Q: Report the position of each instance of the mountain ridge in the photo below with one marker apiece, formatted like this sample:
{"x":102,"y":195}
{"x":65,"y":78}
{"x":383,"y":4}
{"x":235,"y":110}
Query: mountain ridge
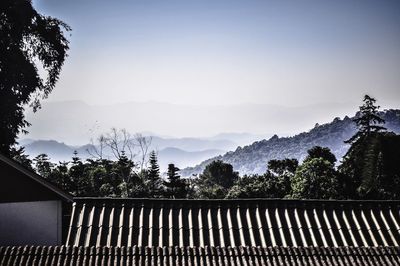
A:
{"x":253,"y":158}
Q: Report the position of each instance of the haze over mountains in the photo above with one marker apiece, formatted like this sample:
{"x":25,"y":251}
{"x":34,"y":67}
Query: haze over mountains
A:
{"x":252,"y":159}
{"x":60,"y":128}
{"x":183,"y":152}
{"x":75,"y":122}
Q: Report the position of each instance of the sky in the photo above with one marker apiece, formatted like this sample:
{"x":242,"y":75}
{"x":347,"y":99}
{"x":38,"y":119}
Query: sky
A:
{"x":229,"y":52}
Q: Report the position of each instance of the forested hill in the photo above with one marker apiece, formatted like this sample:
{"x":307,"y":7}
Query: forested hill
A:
{"x":252,"y":159}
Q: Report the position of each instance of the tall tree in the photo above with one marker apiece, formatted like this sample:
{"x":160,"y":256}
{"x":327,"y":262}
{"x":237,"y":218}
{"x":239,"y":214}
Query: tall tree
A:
{"x":175,"y":186}
{"x":29,"y":41}
{"x":79,"y":178}
{"x":362,"y":166}
{"x":367,"y":120}
{"x":153,"y":180}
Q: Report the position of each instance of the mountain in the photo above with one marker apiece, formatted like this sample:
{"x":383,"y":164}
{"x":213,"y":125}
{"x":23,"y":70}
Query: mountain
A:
{"x":57,"y":151}
{"x":183,"y":158}
{"x":239,"y":138}
{"x":77,"y":122}
{"x":252,"y":159}
{"x":175,"y":153}
{"x":192,"y":144}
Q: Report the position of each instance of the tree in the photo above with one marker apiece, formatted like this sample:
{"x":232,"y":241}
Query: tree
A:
{"x":175,"y":186}
{"x":280,"y":173}
{"x":60,"y":176}
{"x":79,"y":178}
{"x":216,"y":180}
{"x":144,"y":144}
{"x":120,"y":143}
{"x":43,"y":166}
{"x":153,"y":180}
{"x":29,"y":41}
{"x":281,"y":167}
{"x":365,"y":168}
{"x":18,"y":154}
{"x":368,"y":120}
{"x":371,"y":168}
{"x":315,"y":179}
{"x":256,"y":186}
{"x":321,"y":152}
{"x":275,"y":183}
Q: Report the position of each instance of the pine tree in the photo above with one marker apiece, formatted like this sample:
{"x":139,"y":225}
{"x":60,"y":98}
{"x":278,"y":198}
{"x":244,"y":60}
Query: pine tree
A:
{"x":80,"y":181}
{"x":153,"y":180}
{"x":368,"y":120}
{"x":362,"y":165}
{"x":175,"y":187}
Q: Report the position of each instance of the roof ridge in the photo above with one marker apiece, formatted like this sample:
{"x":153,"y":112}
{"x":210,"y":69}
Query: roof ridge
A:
{"x":280,"y":200}
{"x":39,"y":179}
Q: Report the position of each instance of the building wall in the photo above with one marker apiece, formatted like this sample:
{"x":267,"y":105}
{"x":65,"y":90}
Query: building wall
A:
{"x":31,"y":223}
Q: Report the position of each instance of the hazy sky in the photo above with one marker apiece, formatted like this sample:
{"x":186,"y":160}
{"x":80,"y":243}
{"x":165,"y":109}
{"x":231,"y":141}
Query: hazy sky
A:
{"x":228,"y":51}
{"x":222,"y":52}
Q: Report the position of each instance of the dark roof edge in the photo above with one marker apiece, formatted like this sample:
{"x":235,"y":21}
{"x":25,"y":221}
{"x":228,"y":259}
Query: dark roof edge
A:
{"x":300,"y":201}
{"x":66,"y":196}
{"x":108,"y":250}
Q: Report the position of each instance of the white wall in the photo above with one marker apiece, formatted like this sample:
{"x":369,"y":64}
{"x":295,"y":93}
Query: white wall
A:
{"x":30,"y":223}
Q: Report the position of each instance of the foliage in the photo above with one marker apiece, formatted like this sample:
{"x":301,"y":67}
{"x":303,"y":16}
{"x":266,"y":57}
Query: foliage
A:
{"x":321,"y":152}
{"x":152,"y":179}
{"x":29,"y":42}
{"x":251,"y":159}
{"x":281,"y":167}
{"x":216,"y":180}
{"x":367,"y":169}
{"x":316,"y":178}
{"x":368,"y":120}
{"x":43,"y":165}
{"x":257,"y":186}
{"x":282,"y":172}
{"x":371,"y":168}
{"x":18,"y":154}
{"x":175,"y":186}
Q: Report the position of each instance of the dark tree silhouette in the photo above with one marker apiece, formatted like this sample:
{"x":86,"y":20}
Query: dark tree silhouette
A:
{"x":368,"y":169}
{"x":153,"y":180}
{"x":368,"y":120}
{"x":43,"y":165}
{"x":321,"y":152}
{"x":216,"y":180}
{"x":175,"y":186}
{"x":26,"y":39}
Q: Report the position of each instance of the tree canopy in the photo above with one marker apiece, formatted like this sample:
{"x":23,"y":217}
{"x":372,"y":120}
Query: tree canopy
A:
{"x":33,"y":50}
{"x":175,"y":186}
{"x":215,"y":181}
{"x":368,"y":120}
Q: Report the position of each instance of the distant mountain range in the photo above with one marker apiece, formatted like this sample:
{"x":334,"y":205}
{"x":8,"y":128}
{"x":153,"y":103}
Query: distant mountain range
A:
{"x":76,"y":122}
{"x":183,"y":152}
{"x":234,"y":148}
{"x":252,"y":159}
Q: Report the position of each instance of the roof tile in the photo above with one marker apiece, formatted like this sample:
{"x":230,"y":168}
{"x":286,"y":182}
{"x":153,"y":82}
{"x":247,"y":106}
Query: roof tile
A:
{"x":183,"y":223}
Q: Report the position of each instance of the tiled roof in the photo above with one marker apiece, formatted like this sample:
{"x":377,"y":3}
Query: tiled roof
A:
{"x":218,"y":256}
{"x":233,"y":223}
